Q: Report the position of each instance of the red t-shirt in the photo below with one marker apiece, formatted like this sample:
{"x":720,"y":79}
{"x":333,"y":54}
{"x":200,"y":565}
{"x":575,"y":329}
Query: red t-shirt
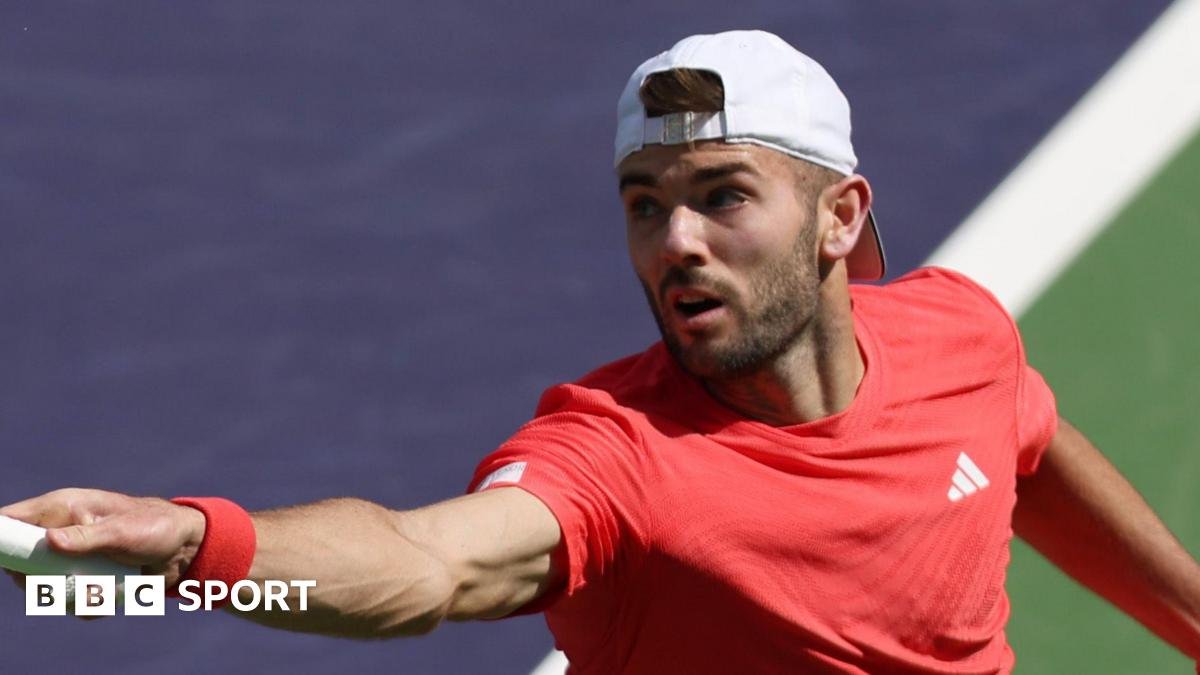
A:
{"x":876,"y":540}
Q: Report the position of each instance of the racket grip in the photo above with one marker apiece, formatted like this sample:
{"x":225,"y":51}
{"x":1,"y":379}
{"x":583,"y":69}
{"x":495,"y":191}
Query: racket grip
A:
{"x":23,"y":549}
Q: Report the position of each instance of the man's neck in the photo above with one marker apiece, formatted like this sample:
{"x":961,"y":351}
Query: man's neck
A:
{"x":816,"y":378}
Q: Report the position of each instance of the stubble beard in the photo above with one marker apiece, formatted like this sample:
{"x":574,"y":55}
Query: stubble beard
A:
{"x":784,"y":298}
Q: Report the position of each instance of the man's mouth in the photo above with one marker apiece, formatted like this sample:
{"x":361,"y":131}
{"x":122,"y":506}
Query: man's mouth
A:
{"x":692,"y":305}
{"x":694,"y":310}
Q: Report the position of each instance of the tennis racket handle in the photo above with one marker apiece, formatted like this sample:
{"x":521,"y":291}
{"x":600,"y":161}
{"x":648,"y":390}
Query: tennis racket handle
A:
{"x":23,"y":549}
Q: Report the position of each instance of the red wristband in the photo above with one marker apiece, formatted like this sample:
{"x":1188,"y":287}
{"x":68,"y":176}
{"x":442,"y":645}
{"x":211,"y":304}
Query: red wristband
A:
{"x":227,"y":550}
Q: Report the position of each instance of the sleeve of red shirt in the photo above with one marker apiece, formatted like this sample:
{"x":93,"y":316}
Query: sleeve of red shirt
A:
{"x":1036,"y":410}
{"x":581,"y":459}
{"x":1037,"y":419}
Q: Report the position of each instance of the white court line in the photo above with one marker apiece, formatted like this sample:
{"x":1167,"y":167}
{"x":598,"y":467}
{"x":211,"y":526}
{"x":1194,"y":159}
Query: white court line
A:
{"x":1091,"y":164}
{"x":1074,"y":182}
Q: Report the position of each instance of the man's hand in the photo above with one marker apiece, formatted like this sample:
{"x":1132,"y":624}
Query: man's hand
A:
{"x":160,"y":537}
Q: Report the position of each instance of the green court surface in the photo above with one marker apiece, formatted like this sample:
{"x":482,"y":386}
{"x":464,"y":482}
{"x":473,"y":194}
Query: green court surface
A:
{"x":1118,"y":339}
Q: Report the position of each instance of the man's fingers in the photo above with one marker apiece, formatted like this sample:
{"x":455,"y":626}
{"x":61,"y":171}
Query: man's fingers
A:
{"x":130,"y":530}
{"x":94,"y":538}
{"x":38,"y":511}
{"x":136,"y":538}
{"x":70,"y":506}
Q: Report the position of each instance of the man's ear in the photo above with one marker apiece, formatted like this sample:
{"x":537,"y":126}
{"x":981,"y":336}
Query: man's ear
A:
{"x":844,"y":207}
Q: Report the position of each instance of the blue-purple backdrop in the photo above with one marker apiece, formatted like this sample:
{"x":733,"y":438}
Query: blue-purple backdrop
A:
{"x":286,"y":251}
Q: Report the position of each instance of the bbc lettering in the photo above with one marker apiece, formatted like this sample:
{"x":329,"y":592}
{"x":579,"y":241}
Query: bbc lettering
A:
{"x":145,"y":595}
{"x":49,"y":595}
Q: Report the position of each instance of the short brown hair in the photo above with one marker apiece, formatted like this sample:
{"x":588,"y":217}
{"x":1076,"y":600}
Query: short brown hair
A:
{"x":682,"y":90}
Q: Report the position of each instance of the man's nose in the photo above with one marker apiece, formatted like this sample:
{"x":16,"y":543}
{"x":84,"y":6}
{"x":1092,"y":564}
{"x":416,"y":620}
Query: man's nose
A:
{"x":685,"y":244}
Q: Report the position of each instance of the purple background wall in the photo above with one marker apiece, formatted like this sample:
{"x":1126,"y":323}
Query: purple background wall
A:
{"x":286,"y":251}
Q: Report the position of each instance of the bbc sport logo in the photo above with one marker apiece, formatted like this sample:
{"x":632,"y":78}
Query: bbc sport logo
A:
{"x":145,"y":595}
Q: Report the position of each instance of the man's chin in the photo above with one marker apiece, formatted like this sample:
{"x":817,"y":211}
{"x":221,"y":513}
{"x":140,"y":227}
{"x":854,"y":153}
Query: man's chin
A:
{"x":712,"y":360}
{"x":699,"y":360}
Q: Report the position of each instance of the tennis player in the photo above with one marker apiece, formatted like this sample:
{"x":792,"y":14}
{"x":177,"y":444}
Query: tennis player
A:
{"x":803,"y":476}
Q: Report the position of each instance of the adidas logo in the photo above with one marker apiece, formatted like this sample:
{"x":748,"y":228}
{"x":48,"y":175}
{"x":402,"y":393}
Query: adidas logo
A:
{"x":967,"y":479}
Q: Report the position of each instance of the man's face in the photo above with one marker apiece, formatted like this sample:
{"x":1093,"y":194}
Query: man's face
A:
{"x":723,"y":239}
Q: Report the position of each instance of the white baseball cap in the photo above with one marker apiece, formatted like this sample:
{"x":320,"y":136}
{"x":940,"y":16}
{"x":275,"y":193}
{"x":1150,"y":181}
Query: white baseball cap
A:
{"x":775,"y":97}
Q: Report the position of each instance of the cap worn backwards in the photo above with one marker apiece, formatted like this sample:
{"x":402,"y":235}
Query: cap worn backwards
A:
{"x":775,"y":97}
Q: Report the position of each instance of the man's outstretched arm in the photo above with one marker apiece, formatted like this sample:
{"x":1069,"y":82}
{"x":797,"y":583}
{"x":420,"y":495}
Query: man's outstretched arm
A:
{"x":1079,"y":512}
{"x":379,"y":573}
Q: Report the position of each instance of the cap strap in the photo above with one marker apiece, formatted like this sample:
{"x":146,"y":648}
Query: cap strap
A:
{"x":683,"y":127}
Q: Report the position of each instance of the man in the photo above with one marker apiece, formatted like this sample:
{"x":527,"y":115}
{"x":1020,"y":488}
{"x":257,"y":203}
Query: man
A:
{"x":804,"y":476}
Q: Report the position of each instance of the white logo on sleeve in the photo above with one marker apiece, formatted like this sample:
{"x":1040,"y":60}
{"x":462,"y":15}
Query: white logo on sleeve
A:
{"x":509,"y":473}
{"x":967,"y":479}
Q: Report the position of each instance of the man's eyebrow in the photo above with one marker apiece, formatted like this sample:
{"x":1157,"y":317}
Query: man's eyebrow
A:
{"x":701,"y":176}
{"x":722,"y":171}
{"x":635,"y":178}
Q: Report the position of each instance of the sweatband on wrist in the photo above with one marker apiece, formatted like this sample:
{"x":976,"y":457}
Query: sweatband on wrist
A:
{"x":227,"y":550}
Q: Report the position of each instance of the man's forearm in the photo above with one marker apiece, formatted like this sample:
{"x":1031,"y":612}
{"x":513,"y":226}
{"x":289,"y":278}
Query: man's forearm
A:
{"x":378,"y":573}
{"x":1080,"y":513}
{"x":371,"y":580}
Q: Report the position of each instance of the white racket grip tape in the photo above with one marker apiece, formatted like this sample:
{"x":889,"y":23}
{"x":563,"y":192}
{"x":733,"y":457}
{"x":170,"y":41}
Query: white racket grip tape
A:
{"x":23,"y":549}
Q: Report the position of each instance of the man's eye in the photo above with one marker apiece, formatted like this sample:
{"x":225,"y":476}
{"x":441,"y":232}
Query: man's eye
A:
{"x":643,"y":207}
{"x":724,"y":197}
